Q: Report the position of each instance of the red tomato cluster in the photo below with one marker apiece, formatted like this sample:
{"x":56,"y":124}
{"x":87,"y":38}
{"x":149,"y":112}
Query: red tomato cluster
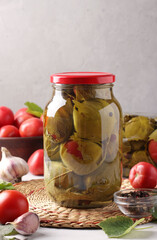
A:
{"x":20,"y":124}
{"x":23,"y":124}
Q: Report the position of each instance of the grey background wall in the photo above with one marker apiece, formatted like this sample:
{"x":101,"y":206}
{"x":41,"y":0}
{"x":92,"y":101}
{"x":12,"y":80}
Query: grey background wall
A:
{"x":42,"y":37}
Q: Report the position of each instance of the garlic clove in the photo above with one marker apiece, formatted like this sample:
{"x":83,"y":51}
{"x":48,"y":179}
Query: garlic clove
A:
{"x":26,"y":224}
{"x":12,"y":168}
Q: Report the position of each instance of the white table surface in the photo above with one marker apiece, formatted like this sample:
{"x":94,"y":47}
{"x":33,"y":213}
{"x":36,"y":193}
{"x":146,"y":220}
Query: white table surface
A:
{"x":93,"y":234}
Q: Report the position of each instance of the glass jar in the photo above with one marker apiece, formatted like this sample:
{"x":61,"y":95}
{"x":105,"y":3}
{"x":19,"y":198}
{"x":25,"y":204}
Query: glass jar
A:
{"x":82,"y":140}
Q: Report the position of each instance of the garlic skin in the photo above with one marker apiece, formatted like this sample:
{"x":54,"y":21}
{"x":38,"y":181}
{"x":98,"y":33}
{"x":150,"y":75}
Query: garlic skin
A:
{"x":26,"y":224}
{"x":12,"y":168}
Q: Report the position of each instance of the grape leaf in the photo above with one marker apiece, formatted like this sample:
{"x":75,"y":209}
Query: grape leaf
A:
{"x":118,"y":226}
{"x":5,"y":185}
{"x":5,"y":229}
{"x":34,"y":109}
{"x":12,"y":233}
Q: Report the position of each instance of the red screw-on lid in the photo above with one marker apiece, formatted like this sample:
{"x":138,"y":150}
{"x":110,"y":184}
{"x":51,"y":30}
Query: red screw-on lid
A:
{"x":82,"y":78}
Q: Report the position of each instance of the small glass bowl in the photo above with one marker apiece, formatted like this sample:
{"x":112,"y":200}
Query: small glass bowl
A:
{"x":135,"y":206}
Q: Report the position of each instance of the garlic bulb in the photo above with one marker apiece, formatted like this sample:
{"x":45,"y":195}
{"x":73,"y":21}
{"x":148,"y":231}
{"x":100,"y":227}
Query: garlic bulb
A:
{"x":12,"y":168}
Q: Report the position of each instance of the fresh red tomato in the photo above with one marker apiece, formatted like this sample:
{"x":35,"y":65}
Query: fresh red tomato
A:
{"x":36,"y":162}
{"x":9,"y":131}
{"x":31,"y":127}
{"x":12,"y":205}
{"x":6,"y":116}
{"x":21,"y":111}
{"x":143,"y":175}
{"x":21,"y":118}
{"x":152,"y":149}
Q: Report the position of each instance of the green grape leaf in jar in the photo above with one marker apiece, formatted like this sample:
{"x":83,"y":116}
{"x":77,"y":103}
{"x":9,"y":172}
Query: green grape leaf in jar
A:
{"x":56,"y":174}
{"x":60,"y":126}
{"x":50,"y":147}
{"x":68,"y":93}
{"x":84,"y":92}
{"x":62,"y":184}
{"x":107,"y":175}
{"x":81,"y":156}
{"x":138,"y":128}
{"x":93,"y":119}
{"x":69,"y":180}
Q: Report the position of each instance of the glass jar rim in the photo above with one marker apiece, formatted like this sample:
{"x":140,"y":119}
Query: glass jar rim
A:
{"x":82,"y":78}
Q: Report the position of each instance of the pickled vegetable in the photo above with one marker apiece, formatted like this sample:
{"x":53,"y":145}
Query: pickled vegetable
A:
{"x":82,"y":144}
{"x":93,"y":119}
{"x":137,"y":132}
{"x":61,"y":125}
{"x":139,"y":156}
{"x":81,"y":156}
{"x":129,"y":146}
{"x":84,"y":92}
{"x":69,"y":189}
{"x":51,"y":148}
{"x":138,"y":128}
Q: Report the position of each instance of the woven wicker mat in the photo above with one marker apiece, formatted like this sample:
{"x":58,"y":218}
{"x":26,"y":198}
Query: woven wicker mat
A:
{"x":53,"y":215}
